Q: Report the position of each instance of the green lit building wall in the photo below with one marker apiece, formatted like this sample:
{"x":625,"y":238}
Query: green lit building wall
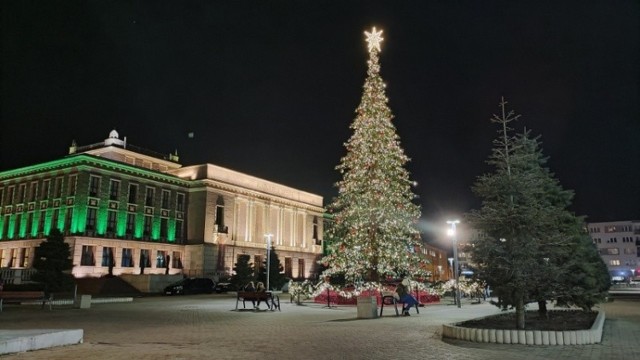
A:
{"x":15,"y":224}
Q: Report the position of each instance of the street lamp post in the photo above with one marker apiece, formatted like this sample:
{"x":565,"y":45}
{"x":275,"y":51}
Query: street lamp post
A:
{"x":268,"y":236}
{"x":453,"y":234}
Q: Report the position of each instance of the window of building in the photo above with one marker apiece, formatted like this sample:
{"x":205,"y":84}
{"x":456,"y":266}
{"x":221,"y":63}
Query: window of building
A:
{"x":614,"y":262}
{"x":68,"y":218}
{"x":629,"y":251}
{"x":1,"y":196}
{"x":287,"y":267}
{"x":145,"y":258}
{"x":94,"y":186}
{"x":146,"y":230}
{"x":316,"y":239}
{"x":107,"y":257}
{"x":180,"y":202}
{"x":18,"y":226}
{"x":131,"y":221}
{"x":176,"y":261}
{"x":165,"y":199}
{"x":163,"y":228}
{"x":10,"y":192}
{"x":29,"y":223}
{"x":149,"y":196}
{"x":301,"y":269}
{"x":114,"y":189}
{"x":22,"y":189}
{"x":133,"y":193}
{"x":58,"y":188}
{"x":54,"y":219}
{"x":219,"y":224}
{"x":127,"y":257}
{"x":111,"y":221}
{"x":13,"y":258}
{"x":161,"y":259}
{"x":33,"y":191}
{"x":88,"y":256}
{"x":44,"y":192}
{"x":91,"y":219}
{"x":41,"y":222}
{"x":2,"y":257}
{"x":73,"y":185}
{"x":5,"y":230}
{"x":613,"y":251}
{"x":179,"y":234}
{"x":25,"y":258}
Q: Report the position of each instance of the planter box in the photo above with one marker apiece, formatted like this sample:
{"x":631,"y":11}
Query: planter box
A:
{"x":527,"y":337}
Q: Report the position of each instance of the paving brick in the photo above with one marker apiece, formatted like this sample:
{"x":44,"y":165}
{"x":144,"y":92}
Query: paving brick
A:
{"x":204,"y":327}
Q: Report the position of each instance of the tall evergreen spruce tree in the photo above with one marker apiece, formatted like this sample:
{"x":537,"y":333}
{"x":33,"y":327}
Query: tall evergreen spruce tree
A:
{"x":531,"y":239}
{"x":243,"y":272}
{"x":52,"y":260}
{"x":374,"y":216}
{"x":276,"y":276}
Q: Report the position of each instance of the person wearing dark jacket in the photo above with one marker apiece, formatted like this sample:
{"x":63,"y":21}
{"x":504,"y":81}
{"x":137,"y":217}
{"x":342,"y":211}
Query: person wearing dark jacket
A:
{"x":404,"y":297}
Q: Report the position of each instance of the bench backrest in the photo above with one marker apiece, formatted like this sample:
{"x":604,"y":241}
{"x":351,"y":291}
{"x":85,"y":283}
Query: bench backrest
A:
{"x":21,"y":294}
{"x":253,"y":295}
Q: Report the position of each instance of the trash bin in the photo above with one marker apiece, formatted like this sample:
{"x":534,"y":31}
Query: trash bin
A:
{"x":83,"y":302}
{"x":367,"y":307}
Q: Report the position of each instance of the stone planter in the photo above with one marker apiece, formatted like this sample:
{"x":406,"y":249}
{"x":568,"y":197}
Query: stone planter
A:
{"x":367,"y":307}
{"x":528,"y":337}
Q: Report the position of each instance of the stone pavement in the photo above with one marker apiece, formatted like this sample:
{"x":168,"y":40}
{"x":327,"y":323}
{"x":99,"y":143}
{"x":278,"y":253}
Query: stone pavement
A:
{"x":204,"y":327}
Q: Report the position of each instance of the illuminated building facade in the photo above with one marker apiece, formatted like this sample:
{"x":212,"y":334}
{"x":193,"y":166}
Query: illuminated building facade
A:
{"x":618,"y":243}
{"x":143,"y":212}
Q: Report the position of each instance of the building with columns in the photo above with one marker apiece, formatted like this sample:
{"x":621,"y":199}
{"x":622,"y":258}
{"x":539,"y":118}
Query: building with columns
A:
{"x":144,"y":212}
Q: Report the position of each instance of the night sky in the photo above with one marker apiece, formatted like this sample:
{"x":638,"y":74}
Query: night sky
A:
{"x":269,"y":88}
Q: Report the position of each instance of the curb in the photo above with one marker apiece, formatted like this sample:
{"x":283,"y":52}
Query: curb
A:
{"x":527,"y":337}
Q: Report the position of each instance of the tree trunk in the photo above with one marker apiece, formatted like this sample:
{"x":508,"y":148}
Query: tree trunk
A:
{"x":520,"y":313}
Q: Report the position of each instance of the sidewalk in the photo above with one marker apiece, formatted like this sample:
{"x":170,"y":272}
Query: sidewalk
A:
{"x":205,"y":327}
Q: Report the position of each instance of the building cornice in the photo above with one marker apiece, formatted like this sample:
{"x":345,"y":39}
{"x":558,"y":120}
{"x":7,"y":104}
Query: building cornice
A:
{"x":87,"y":162}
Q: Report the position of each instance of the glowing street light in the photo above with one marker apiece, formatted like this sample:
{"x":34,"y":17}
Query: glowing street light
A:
{"x":452,"y":232}
{"x":268,"y":236}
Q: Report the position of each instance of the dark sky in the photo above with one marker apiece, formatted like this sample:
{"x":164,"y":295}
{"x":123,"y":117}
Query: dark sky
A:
{"x":269,"y":88}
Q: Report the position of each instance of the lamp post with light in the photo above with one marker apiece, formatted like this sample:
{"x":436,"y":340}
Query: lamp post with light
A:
{"x":268,"y":236}
{"x":452,"y":233}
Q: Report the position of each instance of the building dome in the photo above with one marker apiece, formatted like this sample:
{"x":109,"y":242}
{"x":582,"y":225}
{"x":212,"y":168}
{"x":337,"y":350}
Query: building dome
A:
{"x":113,"y":134}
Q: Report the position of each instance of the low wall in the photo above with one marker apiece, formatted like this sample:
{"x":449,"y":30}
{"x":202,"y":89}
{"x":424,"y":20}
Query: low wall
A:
{"x":528,"y":337}
{"x":150,"y":283}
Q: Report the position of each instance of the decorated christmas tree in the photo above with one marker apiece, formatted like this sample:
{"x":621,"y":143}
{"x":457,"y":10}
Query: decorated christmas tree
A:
{"x":374,"y":217}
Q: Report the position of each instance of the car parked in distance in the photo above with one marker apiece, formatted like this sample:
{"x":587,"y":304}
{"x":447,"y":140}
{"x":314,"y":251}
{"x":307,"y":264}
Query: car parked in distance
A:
{"x":222,"y":287}
{"x":190,"y":286}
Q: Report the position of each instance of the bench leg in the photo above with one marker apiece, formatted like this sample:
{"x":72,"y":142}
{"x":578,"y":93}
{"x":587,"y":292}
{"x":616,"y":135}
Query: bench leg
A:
{"x":395,"y":306}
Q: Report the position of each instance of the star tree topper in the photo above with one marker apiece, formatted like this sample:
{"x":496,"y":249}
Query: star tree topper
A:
{"x":374,"y":39}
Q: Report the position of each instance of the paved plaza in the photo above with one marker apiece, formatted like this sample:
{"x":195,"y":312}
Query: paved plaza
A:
{"x":205,"y":327}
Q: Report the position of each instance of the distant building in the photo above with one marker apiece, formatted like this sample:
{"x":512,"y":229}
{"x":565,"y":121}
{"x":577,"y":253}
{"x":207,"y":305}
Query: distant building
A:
{"x":146,"y":213}
{"x":618,"y":243}
{"x":438,"y":264}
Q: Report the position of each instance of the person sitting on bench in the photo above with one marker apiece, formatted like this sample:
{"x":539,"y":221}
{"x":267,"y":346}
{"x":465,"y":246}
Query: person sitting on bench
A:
{"x":404,"y":297}
{"x":261,"y":289}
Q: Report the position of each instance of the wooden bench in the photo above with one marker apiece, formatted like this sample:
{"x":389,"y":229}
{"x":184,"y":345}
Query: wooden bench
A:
{"x":389,"y":299}
{"x":20,"y":296}
{"x":258,"y":296}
